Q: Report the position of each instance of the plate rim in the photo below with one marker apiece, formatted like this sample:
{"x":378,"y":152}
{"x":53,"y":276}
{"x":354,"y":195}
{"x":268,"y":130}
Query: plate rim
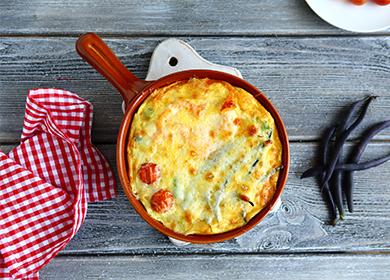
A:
{"x":384,"y":28}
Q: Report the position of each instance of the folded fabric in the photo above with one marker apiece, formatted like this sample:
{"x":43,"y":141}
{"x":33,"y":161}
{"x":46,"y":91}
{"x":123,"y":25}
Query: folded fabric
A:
{"x":46,"y":181}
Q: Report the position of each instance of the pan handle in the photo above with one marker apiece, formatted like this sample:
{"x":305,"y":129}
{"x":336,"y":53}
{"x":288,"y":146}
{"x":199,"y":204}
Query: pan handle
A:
{"x":94,"y":51}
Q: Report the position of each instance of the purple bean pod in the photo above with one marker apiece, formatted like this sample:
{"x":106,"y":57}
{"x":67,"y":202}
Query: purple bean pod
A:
{"x":355,"y":156}
{"x":344,"y":136}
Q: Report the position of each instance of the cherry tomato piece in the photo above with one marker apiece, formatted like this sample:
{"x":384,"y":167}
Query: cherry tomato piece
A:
{"x":228,"y":104}
{"x":382,"y":2}
{"x":252,"y":130}
{"x":149,"y":173}
{"x":359,"y":2}
{"x":162,"y":201}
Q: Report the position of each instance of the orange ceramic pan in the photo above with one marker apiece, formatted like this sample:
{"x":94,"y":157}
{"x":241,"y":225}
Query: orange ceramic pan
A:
{"x":134,"y":91}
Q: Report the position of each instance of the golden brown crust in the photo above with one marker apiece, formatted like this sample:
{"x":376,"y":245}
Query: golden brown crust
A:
{"x":218,"y":152}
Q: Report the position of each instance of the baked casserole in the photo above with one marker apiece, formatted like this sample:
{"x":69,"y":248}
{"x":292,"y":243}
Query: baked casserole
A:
{"x":204,"y":156}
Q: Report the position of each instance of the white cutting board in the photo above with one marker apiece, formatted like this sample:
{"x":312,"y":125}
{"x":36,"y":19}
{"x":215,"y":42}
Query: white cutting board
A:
{"x":183,"y":57}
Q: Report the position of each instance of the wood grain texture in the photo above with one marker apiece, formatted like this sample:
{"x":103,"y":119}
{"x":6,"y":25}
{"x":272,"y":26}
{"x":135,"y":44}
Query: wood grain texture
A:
{"x":308,"y":79}
{"x":129,"y":17}
{"x":113,"y":227}
{"x":325,"y":267}
{"x":310,"y":72}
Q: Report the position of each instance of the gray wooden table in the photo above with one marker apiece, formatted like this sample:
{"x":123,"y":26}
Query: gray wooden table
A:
{"x":306,"y":67}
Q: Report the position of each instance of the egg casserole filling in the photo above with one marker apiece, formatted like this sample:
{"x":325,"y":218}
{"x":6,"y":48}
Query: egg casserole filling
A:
{"x":204,"y":156}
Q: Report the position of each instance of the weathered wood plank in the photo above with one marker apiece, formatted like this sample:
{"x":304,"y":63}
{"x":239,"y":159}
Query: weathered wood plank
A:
{"x":308,"y":79}
{"x":326,"y":267}
{"x":114,"y":227}
{"x":161,"y":17}
{"x":106,"y":103}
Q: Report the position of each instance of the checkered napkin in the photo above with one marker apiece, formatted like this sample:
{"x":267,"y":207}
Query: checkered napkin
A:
{"x":46,"y":181}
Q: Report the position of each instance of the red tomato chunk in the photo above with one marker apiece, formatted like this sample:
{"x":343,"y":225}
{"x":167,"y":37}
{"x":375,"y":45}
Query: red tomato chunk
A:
{"x":149,"y":173}
{"x":162,"y":201}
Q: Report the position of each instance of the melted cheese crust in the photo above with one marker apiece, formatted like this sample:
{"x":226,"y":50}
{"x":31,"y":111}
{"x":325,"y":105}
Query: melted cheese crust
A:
{"x":218,"y":152}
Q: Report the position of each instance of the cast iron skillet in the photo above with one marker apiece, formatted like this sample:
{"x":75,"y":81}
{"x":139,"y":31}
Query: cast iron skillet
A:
{"x":134,"y":91}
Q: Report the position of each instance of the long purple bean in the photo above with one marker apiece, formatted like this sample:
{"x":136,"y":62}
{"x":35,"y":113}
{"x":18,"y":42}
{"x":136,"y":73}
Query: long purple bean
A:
{"x":329,"y":133}
{"x":313,"y":171}
{"x":355,"y":157}
{"x":347,"y":167}
{"x":337,"y":175}
{"x":343,"y":138}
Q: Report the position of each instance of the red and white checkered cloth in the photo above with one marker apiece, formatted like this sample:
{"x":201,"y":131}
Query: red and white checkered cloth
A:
{"x":46,"y":181}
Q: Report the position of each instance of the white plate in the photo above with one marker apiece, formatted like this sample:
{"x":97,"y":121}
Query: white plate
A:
{"x":344,"y":14}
